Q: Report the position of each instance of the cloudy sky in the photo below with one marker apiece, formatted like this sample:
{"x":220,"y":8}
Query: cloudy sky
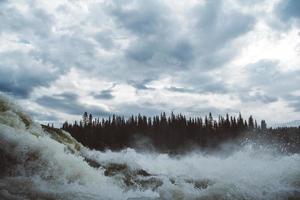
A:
{"x":60,"y":58}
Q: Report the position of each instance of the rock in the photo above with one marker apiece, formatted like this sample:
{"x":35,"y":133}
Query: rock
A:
{"x":25,"y":119}
{"x":6,"y":162}
{"x":92,"y":163}
{"x":200,"y":184}
{"x":113,"y":169}
{"x":152,"y":183}
{"x":142,"y":172}
{"x":63,"y":137}
{"x":132,"y":178}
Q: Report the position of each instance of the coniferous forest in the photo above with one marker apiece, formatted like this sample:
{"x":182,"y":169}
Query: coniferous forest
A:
{"x":175,"y":133}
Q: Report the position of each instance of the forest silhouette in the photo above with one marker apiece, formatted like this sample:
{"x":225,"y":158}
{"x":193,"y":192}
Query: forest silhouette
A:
{"x":174,"y":133}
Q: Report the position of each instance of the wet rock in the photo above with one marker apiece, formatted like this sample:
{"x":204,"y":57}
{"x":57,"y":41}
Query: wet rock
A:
{"x":92,"y":163}
{"x":6,"y":162}
{"x":63,"y":137}
{"x":132,"y":178}
{"x":32,"y":156}
{"x":172,"y":180}
{"x":200,"y":184}
{"x":25,"y":119}
{"x":152,"y":183}
{"x":142,"y":172}
{"x":113,"y":169}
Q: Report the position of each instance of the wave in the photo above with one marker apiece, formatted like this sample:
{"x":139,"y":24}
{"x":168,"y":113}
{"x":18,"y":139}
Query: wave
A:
{"x":39,"y":162}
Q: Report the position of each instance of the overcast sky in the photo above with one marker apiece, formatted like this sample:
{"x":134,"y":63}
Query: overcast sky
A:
{"x":60,"y":58}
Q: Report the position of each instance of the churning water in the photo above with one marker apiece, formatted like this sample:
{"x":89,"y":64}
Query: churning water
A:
{"x":39,"y":163}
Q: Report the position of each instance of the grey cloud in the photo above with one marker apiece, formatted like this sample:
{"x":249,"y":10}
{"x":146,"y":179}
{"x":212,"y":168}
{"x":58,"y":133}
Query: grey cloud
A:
{"x":158,"y":51}
{"x":67,"y":51}
{"x":257,"y":97}
{"x":142,"y":18}
{"x":163,"y":49}
{"x":266,"y":98}
{"x":151,"y":109}
{"x":217,"y":26}
{"x":205,"y":110}
{"x":263,"y":72}
{"x":50,"y":56}
{"x":214,"y":28}
{"x":198,"y":81}
{"x":265,"y":76}
{"x":142,"y":52}
{"x":294,"y":102}
{"x":104,"y":94}
{"x":286,"y":15}
{"x":183,"y":52}
{"x":141,"y":85}
{"x":142,"y":108}
{"x":158,"y":45}
{"x":213,"y":87}
{"x":43,"y":116}
{"x":156,"y":42}
{"x":68,"y":103}
{"x":180,"y":89}
{"x":20,"y":73}
{"x":289,"y":9}
{"x":36,"y":22}
{"x":105,"y":40}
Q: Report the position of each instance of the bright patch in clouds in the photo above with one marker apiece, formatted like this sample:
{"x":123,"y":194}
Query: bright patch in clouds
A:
{"x":126,"y":57}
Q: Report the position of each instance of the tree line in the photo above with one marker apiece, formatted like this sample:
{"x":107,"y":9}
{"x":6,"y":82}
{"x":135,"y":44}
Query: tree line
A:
{"x":165,"y":133}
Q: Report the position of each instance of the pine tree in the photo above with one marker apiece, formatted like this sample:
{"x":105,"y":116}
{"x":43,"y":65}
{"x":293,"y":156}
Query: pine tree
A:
{"x":90,"y":120}
{"x":251,"y":123}
{"x":85,"y":119}
{"x":263,"y":125}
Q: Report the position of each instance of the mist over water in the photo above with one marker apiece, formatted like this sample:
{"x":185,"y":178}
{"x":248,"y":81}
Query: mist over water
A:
{"x":39,"y":164}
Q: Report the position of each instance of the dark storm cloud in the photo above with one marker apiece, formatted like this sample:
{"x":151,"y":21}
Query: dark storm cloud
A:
{"x":68,"y":103}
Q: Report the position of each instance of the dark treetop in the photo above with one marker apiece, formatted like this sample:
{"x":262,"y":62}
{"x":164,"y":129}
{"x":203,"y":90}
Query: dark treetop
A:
{"x":174,"y":133}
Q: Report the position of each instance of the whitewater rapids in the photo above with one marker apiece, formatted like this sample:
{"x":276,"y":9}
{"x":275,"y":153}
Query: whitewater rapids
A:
{"x":44,"y":163}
